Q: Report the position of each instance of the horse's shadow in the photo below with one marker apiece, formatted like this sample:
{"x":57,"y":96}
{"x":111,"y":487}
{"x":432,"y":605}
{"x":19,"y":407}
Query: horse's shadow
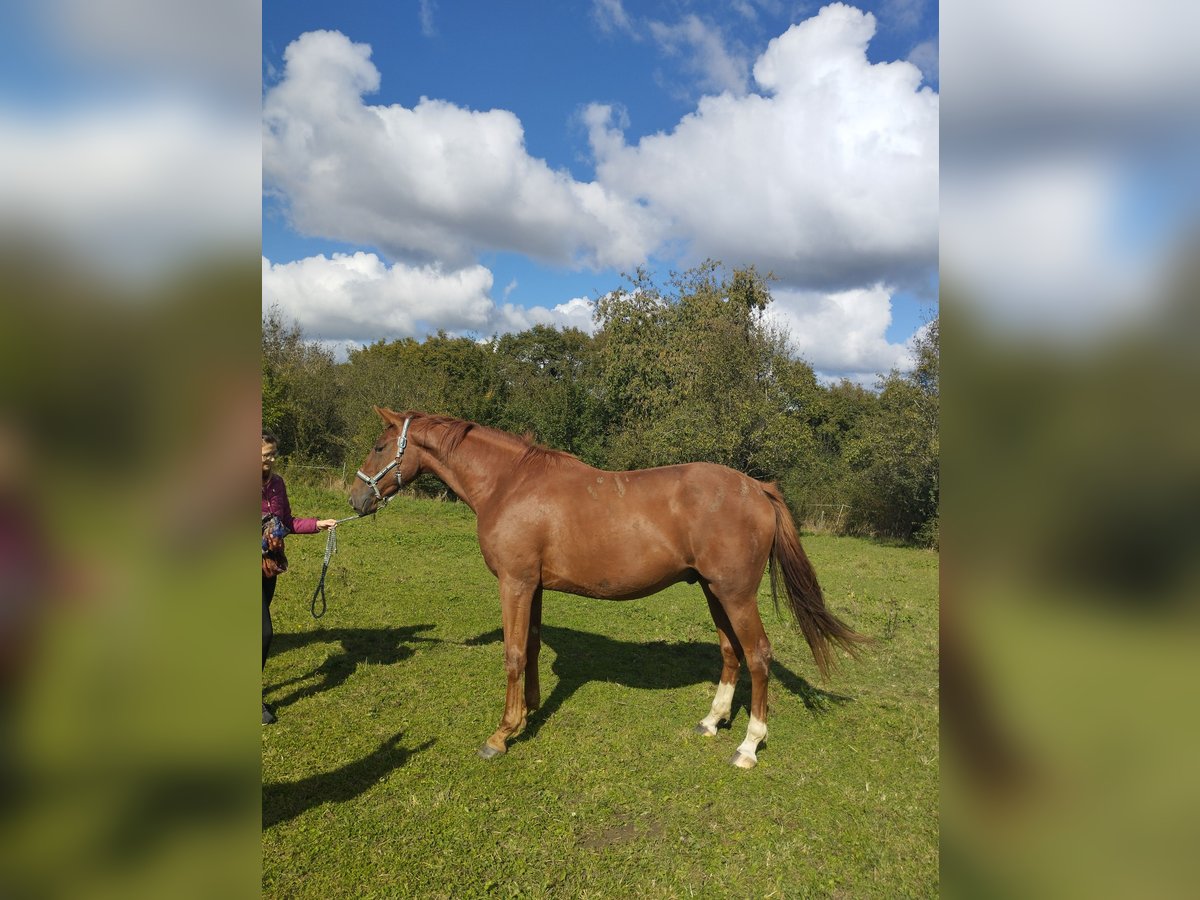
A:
{"x":581,"y":657}
{"x":381,"y":646}
{"x":283,"y":801}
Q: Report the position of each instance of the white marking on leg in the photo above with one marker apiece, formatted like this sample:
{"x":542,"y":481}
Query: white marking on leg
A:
{"x":747,"y":751}
{"x":721,"y":706}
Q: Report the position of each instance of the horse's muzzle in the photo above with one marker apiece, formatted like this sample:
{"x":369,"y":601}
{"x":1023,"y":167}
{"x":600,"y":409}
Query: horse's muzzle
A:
{"x":363,"y":505}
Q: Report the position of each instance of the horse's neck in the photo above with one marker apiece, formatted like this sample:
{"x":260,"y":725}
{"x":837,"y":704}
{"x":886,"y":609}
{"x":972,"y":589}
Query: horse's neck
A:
{"x":473,"y":469}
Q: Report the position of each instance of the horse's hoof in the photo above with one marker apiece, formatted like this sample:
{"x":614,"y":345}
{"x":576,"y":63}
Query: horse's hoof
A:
{"x":705,"y":730}
{"x":487,"y":751}
{"x":742,"y":761}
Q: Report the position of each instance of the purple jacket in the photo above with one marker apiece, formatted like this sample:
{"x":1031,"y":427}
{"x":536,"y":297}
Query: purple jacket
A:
{"x":275,"y":503}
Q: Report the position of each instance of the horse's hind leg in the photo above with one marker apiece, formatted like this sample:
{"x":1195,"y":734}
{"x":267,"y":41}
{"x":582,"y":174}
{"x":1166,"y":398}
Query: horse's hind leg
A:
{"x":533,"y":647}
{"x":748,"y":629}
{"x":722,"y":705}
{"x":516,"y":601}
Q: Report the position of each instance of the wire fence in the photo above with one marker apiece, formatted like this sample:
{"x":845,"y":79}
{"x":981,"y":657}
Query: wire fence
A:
{"x":334,"y":476}
{"x":825,"y":517}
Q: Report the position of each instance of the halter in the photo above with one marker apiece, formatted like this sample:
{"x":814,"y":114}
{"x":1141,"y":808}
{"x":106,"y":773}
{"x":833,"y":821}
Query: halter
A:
{"x":373,"y":483}
{"x":331,"y":542}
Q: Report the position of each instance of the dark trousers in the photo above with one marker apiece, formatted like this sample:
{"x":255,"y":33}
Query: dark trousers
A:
{"x":268,"y":631}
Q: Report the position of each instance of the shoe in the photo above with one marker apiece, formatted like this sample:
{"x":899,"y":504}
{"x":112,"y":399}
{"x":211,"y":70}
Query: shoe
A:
{"x":268,"y":716}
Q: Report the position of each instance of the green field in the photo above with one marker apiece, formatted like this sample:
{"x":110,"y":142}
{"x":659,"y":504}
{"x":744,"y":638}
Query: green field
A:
{"x":371,"y":786}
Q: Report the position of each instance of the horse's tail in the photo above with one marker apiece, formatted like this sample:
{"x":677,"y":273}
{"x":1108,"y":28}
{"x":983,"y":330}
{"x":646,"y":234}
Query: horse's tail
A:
{"x":822,"y":629}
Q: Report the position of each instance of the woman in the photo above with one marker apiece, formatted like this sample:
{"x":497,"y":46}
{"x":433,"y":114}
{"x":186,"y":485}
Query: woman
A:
{"x":275,"y":503}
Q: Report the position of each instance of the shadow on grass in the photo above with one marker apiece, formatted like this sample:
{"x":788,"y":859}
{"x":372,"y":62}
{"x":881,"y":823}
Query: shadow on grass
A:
{"x":283,"y":801}
{"x":359,"y":645}
{"x":582,"y":657}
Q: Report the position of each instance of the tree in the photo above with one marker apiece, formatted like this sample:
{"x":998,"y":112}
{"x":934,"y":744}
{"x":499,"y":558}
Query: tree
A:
{"x":549,"y":388}
{"x":302,"y":399}
{"x":894,"y":456}
{"x":687,"y":372}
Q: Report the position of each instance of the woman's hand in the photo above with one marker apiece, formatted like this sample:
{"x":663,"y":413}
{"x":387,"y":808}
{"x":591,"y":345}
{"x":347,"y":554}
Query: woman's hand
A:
{"x":323,"y":524}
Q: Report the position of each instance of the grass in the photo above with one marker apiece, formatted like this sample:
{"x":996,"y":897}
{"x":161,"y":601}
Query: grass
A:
{"x":371,"y":787}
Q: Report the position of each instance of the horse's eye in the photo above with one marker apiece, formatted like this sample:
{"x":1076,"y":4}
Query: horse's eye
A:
{"x":378,"y":449}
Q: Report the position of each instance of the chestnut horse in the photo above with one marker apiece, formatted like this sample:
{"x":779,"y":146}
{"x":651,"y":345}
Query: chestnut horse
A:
{"x":548,"y":520}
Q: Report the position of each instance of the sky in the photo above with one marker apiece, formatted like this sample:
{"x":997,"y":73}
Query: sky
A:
{"x":571,"y":145}
{"x":476,"y":169}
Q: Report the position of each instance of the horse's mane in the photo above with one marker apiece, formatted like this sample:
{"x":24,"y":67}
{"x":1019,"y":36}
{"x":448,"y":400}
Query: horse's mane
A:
{"x":454,"y":430}
{"x":536,"y":455}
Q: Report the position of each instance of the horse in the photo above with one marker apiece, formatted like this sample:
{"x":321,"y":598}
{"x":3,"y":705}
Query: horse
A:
{"x":547,"y":520}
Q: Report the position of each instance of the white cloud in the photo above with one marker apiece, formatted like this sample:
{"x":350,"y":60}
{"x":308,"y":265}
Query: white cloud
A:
{"x":359,"y":298}
{"x":842,"y":334}
{"x":903,"y":14}
{"x":575,"y":313}
{"x":745,"y":9}
{"x":829,"y":179}
{"x":610,"y":16}
{"x":435,"y":181}
{"x":703,"y":47}
{"x":925,"y":57}
{"x":136,"y":188}
{"x":425,"y":11}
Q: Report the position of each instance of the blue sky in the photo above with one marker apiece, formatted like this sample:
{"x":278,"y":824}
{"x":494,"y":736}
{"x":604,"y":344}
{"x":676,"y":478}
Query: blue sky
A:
{"x":479,"y":167}
{"x":132,"y":137}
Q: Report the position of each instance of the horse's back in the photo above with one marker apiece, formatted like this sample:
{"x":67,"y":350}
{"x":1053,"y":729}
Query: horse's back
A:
{"x":696,"y":491}
{"x":629,"y":534}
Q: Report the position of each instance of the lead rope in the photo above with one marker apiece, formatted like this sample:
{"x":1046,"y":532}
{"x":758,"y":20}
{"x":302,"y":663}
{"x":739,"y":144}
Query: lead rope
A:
{"x":331,"y":541}
{"x":330,"y":549}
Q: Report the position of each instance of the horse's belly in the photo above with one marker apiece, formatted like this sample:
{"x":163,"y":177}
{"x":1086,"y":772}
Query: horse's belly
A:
{"x":613,"y":573}
{"x":609,"y":587}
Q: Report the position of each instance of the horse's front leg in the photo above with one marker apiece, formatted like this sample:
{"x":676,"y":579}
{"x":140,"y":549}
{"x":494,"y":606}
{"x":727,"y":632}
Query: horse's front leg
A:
{"x":516,"y":601}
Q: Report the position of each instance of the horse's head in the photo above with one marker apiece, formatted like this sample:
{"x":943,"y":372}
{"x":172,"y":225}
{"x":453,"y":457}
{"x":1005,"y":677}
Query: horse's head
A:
{"x":389,"y":464}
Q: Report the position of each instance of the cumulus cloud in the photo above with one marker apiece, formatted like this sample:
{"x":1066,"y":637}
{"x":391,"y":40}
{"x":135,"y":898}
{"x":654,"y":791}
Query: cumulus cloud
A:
{"x":359,"y":298}
{"x":435,"y":182}
{"x":135,"y":188}
{"x":843,"y":334}
{"x":828,"y":178}
{"x":575,"y":313}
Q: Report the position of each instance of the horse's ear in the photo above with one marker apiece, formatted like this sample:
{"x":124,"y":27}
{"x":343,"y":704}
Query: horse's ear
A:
{"x":383,"y":413}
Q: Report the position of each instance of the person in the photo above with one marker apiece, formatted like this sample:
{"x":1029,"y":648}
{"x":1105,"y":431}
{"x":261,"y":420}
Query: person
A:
{"x":275,"y":503}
